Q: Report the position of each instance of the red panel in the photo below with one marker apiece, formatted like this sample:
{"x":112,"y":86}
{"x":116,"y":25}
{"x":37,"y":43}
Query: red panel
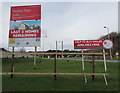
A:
{"x":91,"y":44}
{"x":29,"y":33}
{"x":32,"y":12}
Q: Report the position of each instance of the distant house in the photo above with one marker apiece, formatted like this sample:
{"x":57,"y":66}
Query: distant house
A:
{"x":23,"y":26}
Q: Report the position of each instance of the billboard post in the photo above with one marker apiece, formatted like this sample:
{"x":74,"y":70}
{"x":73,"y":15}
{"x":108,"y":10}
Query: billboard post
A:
{"x":83,"y":60}
{"x":104,"y":60}
{"x":83,"y":67}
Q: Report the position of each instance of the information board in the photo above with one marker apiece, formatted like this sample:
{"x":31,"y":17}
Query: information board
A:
{"x":93,"y":44}
{"x":25,"y":26}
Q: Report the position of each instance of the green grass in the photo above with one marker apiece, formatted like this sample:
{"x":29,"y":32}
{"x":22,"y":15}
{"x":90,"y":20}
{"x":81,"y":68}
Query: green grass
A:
{"x":116,"y":58}
{"x":63,"y":83}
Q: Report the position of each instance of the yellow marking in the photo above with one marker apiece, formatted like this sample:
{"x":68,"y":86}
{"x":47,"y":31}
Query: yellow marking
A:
{"x":12,"y":40}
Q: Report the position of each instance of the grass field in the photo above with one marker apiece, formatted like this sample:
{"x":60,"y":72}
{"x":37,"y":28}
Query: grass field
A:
{"x":63,"y":83}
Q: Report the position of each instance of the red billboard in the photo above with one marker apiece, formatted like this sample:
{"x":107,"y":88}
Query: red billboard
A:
{"x":31,"y":12}
{"x":93,"y":44}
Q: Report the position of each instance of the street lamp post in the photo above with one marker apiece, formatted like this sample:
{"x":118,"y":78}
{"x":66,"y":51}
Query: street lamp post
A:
{"x":109,"y":38}
{"x":108,"y":31}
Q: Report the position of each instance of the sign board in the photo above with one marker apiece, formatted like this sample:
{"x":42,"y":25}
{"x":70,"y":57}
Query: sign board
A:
{"x":93,"y":44}
{"x":25,"y":26}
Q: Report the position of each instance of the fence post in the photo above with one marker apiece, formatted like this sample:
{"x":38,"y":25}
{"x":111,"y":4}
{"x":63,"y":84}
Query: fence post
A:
{"x":12,"y":70}
{"x":93,"y":66}
{"x":55,"y":77}
{"x":35,"y":57}
{"x":12,"y":65}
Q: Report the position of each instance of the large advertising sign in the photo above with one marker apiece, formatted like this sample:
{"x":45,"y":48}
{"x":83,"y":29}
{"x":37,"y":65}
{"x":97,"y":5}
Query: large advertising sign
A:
{"x":31,"y":12}
{"x":93,"y":44}
{"x":25,"y":26}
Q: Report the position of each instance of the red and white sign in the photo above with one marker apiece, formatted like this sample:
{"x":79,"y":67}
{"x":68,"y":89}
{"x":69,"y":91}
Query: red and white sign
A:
{"x":31,"y":12}
{"x":93,"y":44}
{"x":25,"y":26}
{"x":29,"y":33}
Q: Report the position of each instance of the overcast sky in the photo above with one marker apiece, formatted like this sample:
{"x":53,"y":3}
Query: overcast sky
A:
{"x":68,"y":21}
